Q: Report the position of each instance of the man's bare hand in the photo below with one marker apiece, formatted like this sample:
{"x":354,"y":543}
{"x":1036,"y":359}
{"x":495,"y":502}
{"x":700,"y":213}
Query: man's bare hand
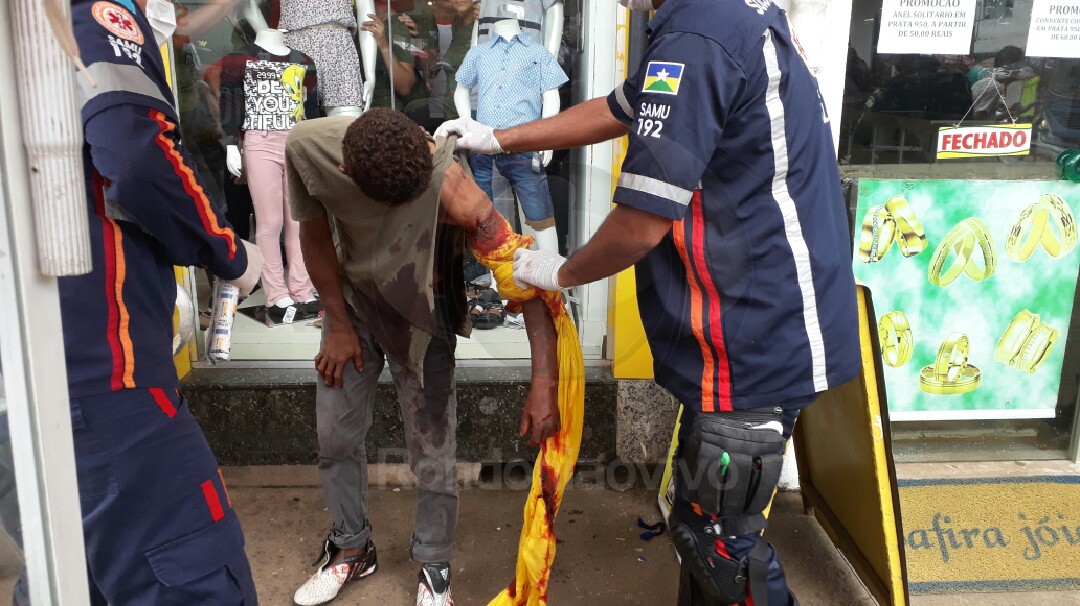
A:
{"x":540,"y":417}
{"x":338,"y":349}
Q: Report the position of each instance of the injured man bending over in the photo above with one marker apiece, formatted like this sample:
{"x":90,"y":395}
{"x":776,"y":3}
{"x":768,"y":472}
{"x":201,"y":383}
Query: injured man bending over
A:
{"x":389,"y":273}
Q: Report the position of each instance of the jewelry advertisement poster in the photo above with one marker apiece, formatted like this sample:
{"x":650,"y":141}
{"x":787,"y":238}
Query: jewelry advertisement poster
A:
{"x":973,"y":283}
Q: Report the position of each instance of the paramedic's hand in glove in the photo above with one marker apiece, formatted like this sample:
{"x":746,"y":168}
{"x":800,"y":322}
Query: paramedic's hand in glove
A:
{"x":539,"y":268}
{"x":246,"y":283}
{"x":472,"y":136}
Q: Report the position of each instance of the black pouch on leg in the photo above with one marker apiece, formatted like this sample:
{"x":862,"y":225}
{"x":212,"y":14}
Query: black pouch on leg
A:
{"x":733,"y":462}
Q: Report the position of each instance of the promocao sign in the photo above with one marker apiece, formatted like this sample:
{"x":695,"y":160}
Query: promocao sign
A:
{"x":982,"y":141}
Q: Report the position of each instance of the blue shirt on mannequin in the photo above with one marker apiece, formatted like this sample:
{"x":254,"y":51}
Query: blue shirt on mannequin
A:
{"x":512,"y":77}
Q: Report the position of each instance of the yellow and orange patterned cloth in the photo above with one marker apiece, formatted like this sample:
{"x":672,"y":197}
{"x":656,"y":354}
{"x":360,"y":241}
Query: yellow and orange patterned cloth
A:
{"x":558,"y":454}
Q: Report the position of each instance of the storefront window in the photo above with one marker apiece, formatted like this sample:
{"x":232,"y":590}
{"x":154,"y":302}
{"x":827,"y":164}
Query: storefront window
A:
{"x":426,"y":46}
{"x":962,"y":226}
{"x":11,"y":558}
{"x":895,"y":104}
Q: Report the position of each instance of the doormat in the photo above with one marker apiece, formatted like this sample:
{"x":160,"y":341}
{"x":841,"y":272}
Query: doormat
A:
{"x":991,"y":534}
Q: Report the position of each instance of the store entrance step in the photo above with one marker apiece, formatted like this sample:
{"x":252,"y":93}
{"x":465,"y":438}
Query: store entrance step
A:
{"x":266,"y":416}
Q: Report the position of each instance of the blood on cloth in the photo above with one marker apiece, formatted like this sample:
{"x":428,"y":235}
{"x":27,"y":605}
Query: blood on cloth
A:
{"x":558,"y":454}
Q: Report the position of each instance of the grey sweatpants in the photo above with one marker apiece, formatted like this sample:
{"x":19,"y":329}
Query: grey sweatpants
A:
{"x":344,"y":417}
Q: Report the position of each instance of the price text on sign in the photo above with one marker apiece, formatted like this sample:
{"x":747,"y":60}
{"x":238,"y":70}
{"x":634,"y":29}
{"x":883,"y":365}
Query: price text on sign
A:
{"x":926,"y":26}
{"x":982,"y":141}
{"x":1055,"y":29}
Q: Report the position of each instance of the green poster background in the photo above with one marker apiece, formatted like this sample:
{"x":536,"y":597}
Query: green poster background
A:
{"x":981,"y":310}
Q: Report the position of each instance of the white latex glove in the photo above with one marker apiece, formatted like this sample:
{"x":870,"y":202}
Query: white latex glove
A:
{"x":246,"y":283}
{"x":539,"y":268}
{"x":234,"y":161}
{"x":472,"y":135}
{"x":545,"y":157}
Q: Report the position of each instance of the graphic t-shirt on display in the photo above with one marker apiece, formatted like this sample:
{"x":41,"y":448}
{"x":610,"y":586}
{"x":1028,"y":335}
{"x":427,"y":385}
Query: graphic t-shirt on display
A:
{"x":262,"y":91}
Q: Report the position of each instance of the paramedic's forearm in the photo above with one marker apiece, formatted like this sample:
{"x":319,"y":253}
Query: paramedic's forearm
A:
{"x":623,"y":239}
{"x":583,"y":124}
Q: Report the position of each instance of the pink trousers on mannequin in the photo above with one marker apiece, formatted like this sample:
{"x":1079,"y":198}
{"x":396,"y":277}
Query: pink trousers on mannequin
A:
{"x":264,"y":165}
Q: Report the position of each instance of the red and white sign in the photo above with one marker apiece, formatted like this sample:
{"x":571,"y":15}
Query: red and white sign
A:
{"x":117,"y":20}
{"x":983,"y":141}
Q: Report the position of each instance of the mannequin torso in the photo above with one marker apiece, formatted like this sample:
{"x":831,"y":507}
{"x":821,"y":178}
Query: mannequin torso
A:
{"x":272,"y":41}
{"x":507,"y":29}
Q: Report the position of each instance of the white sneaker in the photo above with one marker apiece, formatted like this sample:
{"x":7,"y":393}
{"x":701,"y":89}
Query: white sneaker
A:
{"x":328,"y":580}
{"x":434,"y":586}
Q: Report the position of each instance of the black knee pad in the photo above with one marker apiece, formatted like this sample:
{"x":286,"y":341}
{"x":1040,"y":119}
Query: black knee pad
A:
{"x":731,"y":465}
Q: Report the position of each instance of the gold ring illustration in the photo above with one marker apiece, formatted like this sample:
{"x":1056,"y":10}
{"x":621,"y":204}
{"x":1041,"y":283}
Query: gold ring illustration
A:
{"x":1036,"y":223}
{"x":1032,"y":227}
{"x":878,"y":233}
{"x":1012,"y":342}
{"x":1026,"y":343}
{"x":911,"y":237}
{"x":1037,"y":348}
{"x":952,"y":357}
{"x":897,"y":342}
{"x":969,"y":379}
{"x":962,"y":240}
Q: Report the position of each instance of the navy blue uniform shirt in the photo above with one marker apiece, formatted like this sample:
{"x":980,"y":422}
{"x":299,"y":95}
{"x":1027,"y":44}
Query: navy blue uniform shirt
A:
{"x":750,"y":300}
{"x":148,"y":211}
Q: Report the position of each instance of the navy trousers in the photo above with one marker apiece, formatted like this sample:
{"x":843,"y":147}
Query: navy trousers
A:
{"x":158,"y":524}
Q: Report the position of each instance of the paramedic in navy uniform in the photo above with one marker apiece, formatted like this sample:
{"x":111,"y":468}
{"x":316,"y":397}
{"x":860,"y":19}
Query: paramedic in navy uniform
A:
{"x":158,"y":525}
{"x":729,"y":204}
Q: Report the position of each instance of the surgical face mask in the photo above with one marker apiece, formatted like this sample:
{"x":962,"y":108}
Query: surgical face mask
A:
{"x":638,"y":5}
{"x":162,"y":17}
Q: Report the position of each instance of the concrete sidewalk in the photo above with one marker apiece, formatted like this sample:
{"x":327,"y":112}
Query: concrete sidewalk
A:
{"x":601,"y":561}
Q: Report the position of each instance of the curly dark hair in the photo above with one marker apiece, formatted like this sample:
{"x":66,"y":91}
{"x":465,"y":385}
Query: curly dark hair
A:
{"x":387,"y":155}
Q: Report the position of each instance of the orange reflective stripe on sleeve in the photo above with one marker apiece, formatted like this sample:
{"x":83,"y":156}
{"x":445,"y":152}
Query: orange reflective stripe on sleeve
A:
{"x":191,"y":183}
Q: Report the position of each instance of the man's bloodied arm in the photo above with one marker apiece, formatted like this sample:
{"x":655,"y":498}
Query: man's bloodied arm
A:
{"x":464,"y":204}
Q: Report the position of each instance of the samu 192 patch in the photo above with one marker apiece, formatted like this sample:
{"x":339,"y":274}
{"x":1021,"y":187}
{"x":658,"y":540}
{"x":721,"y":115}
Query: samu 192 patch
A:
{"x":663,"y":78}
{"x":117,"y":20}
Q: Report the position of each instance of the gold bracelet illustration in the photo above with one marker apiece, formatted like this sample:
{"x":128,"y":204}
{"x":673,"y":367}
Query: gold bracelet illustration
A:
{"x":969,"y":379}
{"x":897,"y":342}
{"x":911,"y":236}
{"x":962,"y":240}
{"x":878,"y":233}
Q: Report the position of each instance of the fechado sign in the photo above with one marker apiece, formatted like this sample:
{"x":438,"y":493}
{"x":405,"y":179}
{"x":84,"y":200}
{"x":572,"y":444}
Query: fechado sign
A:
{"x":982,"y":141}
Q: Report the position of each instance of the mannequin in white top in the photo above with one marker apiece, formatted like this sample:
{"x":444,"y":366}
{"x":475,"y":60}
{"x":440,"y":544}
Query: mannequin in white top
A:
{"x":546,"y":239}
{"x":368,"y":49}
{"x":273,"y":42}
